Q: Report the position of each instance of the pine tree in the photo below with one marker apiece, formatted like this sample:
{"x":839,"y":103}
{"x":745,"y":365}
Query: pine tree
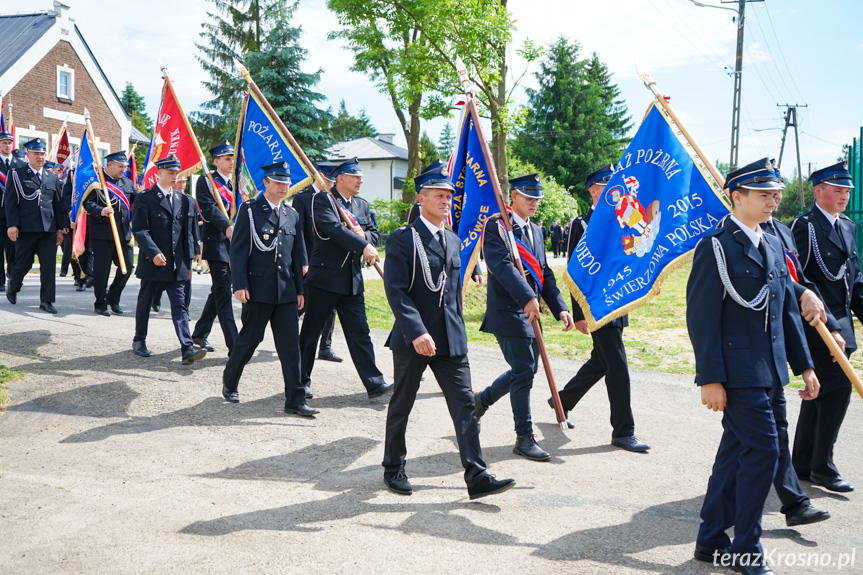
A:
{"x":575,"y":121}
{"x":428,"y":150}
{"x":135,"y":106}
{"x":446,"y":141}
{"x":277,"y":70}
{"x":344,"y":127}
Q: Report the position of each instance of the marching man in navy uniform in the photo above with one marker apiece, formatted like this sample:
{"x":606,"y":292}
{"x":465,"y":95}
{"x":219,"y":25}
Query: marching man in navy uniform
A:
{"x":302,"y":203}
{"x":8,"y":162}
{"x":423,"y":284}
{"x":335,"y":280}
{"x":608,"y":356}
{"x":827,"y":241}
{"x":163,"y":227}
{"x":512,"y":305}
{"x":36,"y":222}
{"x":101,"y":236}
{"x":740,"y":280}
{"x":217,"y":244}
{"x":266,"y":269}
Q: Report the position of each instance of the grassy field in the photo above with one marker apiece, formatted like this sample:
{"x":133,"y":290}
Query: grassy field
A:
{"x":6,"y":376}
{"x":656,"y":338}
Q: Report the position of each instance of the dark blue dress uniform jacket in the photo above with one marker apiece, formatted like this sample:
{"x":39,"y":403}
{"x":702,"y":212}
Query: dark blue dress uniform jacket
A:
{"x":160,"y":229}
{"x":216,"y":243}
{"x":274,"y":277}
{"x":44,"y":213}
{"x":335,"y":261}
{"x":302,"y":204}
{"x":508,"y":292}
{"x":416,"y":308}
{"x":730,"y":342}
{"x":13,"y":164}
{"x":841,"y":297}
{"x":99,"y":226}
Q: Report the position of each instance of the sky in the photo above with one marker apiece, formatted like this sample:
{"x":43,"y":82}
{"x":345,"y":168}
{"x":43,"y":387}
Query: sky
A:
{"x":796,"y":52}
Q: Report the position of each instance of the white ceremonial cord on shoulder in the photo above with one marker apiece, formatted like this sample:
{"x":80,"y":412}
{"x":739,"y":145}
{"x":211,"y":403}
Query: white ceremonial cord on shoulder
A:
{"x":813,"y":241}
{"x":420,"y":252}
{"x":20,"y":189}
{"x":333,"y":202}
{"x":760,"y":301}
{"x":258,"y":243}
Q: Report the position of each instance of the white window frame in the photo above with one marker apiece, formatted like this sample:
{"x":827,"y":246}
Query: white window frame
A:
{"x":61,"y":70}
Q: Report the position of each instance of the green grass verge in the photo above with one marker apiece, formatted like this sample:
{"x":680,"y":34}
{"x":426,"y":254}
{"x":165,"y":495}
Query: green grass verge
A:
{"x":6,"y":376}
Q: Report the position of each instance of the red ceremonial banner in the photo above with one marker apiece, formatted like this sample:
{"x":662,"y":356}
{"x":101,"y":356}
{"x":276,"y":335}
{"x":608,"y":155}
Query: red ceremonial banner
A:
{"x":173,"y":135}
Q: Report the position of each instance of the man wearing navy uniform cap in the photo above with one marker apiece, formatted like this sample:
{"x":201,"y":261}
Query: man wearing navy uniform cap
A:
{"x":8,"y":162}
{"x":511,"y":307}
{"x":827,"y":241}
{"x":335,"y":279}
{"x":217,"y":231}
{"x":608,"y":356}
{"x":101,"y":236}
{"x":266,"y":270}
{"x":302,"y":203}
{"x":741,"y":281}
{"x":423,"y":284}
{"x":163,"y":225}
{"x":36,"y":221}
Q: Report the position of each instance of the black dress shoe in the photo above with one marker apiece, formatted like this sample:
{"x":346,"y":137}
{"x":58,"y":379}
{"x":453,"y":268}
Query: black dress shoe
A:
{"x":806,"y":515}
{"x":12,"y":297}
{"x":156,"y":307}
{"x":526,"y":446}
{"x":80,"y":287}
{"x":47,"y":306}
{"x":3,"y":287}
{"x":302,"y":410}
{"x":478,"y":406}
{"x":488,"y":485}
{"x":89,"y":282}
{"x":308,"y":392}
{"x":710,"y":555}
{"x":747,"y":568}
{"x":397,"y":482}
{"x":328,"y":355}
{"x":202,"y":342}
{"x":193,"y":354}
{"x":836,"y":484}
{"x":569,"y":424}
{"x":116,"y":309}
{"x":140,"y":348}
{"x":380,"y":390}
{"x":229,"y":395}
{"x":630,"y":443}
{"x":102,"y":311}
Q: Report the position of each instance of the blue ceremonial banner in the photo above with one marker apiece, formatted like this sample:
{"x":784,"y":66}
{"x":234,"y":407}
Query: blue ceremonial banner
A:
{"x":86,"y":178}
{"x":260,"y":142}
{"x":653,"y":211}
{"x":474,"y":200}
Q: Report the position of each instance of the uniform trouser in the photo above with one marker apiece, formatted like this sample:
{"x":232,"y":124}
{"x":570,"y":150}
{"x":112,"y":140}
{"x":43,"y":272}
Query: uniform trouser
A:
{"x":352,"y":315}
{"x":179,"y":313}
{"x":607,"y":359}
{"x":7,"y":253}
{"x":82,"y":266}
{"x":326,"y":344}
{"x":43,"y":245}
{"x":821,"y":418}
{"x":218,"y":304}
{"x":522,"y":355}
{"x":187,"y":295}
{"x":453,"y":376}
{"x":104,"y":254}
{"x":66,"y":248}
{"x":284,"y":323}
{"x":788,"y":488}
{"x":742,"y":473}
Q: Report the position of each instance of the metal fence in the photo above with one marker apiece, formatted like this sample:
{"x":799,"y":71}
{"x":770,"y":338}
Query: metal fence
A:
{"x":855,"y":206}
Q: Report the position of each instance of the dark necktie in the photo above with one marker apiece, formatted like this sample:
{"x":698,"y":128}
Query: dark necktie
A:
{"x":526,"y":238}
{"x":441,"y":240}
{"x":762,"y":248}
{"x":839,"y":233}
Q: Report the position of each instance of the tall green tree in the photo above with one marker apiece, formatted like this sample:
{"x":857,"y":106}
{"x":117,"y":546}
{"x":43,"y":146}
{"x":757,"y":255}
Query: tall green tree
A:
{"x":135,"y":106}
{"x":345,"y":127}
{"x":277,"y":70}
{"x":575,"y":120}
{"x":428,"y":150}
{"x":235,"y":28}
{"x":446,"y":141}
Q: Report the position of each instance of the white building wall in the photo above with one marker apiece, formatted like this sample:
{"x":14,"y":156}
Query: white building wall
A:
{"x":378,"y":179}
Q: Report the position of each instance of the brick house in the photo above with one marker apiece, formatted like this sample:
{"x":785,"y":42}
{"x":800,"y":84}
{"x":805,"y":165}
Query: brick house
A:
{"x":48,"y":74}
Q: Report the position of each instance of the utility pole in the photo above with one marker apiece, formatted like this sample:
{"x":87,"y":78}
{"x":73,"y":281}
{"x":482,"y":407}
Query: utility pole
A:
{"x":791,"y":120}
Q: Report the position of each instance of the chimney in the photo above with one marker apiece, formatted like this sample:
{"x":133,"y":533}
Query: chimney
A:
{"x":61,"y":10}
{"x":386,"y":138}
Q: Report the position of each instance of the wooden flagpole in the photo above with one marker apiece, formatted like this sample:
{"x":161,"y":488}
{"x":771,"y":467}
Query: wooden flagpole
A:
{"x":504,"y":218}
{"x":200,"y":153}
{"x":287,"y":133}
{"x":107,"y":194}
{"x":837,"y":353}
